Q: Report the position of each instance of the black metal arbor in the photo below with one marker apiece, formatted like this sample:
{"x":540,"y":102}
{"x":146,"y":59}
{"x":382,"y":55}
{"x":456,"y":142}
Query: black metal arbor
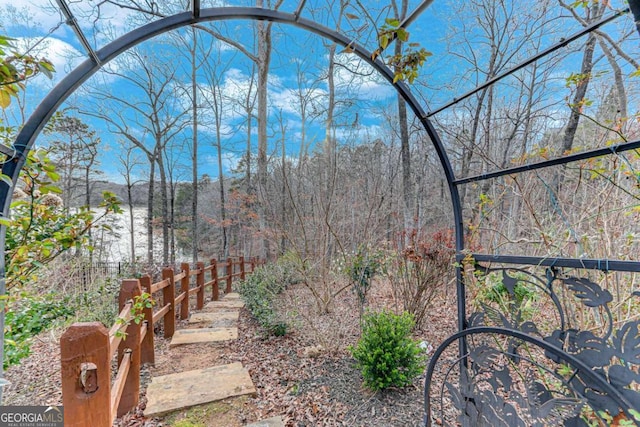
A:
{"x":506,"y":368}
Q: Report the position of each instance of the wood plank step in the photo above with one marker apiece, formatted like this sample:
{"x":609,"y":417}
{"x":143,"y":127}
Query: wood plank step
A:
{"x":214,"y":317}
{"x":269,"y":422}
{"x":185,"y":389}
{"x":203,"y":335}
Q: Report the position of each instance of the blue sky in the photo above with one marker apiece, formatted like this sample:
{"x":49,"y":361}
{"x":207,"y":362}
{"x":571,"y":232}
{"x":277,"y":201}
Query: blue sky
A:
{"x":65,"y":52}
{"x":444,"y":29}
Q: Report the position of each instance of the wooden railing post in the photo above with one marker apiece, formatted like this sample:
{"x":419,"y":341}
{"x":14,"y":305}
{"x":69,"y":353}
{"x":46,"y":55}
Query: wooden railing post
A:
{"x":147,"y":352}
{"x":215,"y":289}
{"x":243,"y":274}
{"x":184,"y":287}
{"x":253,"y":264}
{"x":129,"y":291}
{"x":168,"y":297}
{"x":200,"y":285}
{"x":229,"y":275}
{"x":86,"y":375}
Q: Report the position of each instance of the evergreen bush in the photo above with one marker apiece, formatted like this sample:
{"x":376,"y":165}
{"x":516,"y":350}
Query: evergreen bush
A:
{"x":386,"y":353}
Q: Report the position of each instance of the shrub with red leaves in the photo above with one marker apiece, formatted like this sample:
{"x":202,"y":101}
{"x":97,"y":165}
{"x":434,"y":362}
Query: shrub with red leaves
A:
{"x":423,"y":263}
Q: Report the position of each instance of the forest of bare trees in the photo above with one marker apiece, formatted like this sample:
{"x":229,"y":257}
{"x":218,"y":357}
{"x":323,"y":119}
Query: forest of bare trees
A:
{"x":243,"y":146}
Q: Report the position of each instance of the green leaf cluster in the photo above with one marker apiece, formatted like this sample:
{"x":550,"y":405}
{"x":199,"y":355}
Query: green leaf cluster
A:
{"x":16,"y":69}
{"x":386,"y":353}
{"x":519,"y":299}
{"x":361,"y":267}
{"x":407,"y":64}
{"x":40,"y":229}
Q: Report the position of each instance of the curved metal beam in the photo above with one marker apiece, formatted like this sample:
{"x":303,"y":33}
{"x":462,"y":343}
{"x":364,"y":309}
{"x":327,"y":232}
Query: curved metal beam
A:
{"x":78,"y":76}
{"x":84,"y":71}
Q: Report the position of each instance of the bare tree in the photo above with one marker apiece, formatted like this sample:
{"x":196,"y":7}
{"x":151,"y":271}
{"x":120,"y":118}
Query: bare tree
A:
{"x":157,"y":117}
{"x":75,"y":154}
{"x":129,"y":162}
{"x":217,"y":104}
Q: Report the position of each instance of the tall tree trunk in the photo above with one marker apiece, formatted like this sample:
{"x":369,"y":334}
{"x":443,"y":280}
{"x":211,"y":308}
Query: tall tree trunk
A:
{"x":579,"y":97}
{"x":132,"y":241}
{"x":405,"y":150}
{"x":164,"y":201}
{"x":194,"y":159}
{"x":329,"y":142}
{"x":264,"y":59}
{"x":172,"y":217}
{"x":223,"y":209}
{"x":152,"y":171}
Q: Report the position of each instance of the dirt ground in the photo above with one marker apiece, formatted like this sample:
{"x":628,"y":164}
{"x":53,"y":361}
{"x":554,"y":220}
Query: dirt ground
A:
{"x":307,"y":376}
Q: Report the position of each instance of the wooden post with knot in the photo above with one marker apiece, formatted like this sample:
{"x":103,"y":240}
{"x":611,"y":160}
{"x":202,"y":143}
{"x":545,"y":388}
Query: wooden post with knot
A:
{"x":243,"y":274}
{"x":147,"y":351}
{"x":86,"y":375}
{"x":200,"y":285}
{"x":184,"y":289}
{"x":229,"y":275}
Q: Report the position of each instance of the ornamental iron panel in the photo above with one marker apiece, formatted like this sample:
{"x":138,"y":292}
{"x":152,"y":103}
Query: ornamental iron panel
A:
{"x":545,"y":347}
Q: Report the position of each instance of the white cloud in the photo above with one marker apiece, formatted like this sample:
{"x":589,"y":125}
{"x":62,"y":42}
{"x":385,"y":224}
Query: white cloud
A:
{"x":63,"y":56}
{"x":363,"y":79}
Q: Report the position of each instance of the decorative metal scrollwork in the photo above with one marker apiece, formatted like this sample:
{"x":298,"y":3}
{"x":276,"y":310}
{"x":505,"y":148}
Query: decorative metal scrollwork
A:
{"x":524,"y":367}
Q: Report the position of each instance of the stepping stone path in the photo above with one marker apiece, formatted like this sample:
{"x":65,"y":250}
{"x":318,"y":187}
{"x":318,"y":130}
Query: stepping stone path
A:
{"x":217,"y":323}
{"x":217,"y":314}
{"x":176,"y":391}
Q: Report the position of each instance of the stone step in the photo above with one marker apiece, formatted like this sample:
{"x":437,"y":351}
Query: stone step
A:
{"x":185,"y":389}
{"x":231,"y":296}
{"x":217,"y":318}
{"x":224,"y":303}
{"x":203,"y":335}
{"x":269,"y":422}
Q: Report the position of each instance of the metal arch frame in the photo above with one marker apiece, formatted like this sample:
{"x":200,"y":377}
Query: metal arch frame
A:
{"x":36,"y":122}
{"x":43,"y":112}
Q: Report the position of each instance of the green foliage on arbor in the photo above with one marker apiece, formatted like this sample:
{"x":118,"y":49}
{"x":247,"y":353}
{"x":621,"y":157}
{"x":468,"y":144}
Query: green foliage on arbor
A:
{"x":39,"y":229}
{"x":406,"y":64}
{"x":16,"y":69}
{"x":386,"y":353}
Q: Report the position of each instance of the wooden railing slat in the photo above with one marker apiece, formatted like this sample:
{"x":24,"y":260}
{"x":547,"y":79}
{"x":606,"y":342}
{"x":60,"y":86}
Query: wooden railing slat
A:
{"x":180,"y":276}
{"x":158,"y":315}
{"x":114,"y":336}
{"x":180,"y":297}
{"x":160,"y":285}
{"x":118,"y":384}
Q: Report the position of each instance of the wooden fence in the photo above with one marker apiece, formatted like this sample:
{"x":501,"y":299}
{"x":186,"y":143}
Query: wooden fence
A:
{"x":87,"y":349}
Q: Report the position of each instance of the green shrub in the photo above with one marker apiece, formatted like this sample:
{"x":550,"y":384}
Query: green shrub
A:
{"x":26,"y":319}
{"x":259,"y":291}
{"x":386,"y":353}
